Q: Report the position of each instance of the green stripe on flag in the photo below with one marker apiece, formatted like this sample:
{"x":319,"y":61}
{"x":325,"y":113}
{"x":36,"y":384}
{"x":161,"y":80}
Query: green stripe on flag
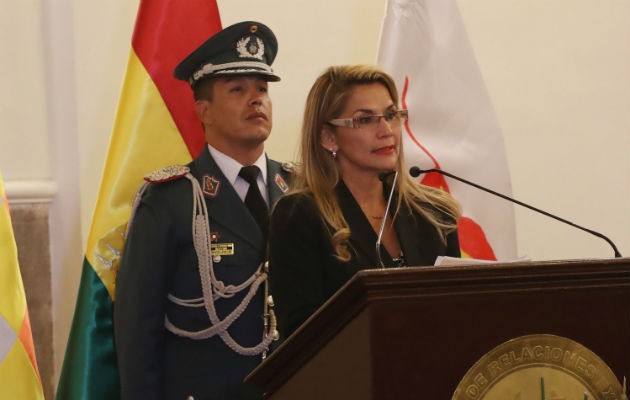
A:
{"x":89,"y":368}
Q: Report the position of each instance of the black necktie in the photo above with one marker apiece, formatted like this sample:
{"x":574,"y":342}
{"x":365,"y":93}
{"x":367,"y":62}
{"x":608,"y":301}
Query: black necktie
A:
{"x":254,"y":200}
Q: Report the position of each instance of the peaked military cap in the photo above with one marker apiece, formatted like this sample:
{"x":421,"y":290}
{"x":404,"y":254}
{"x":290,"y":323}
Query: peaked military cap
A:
{"x":244,"y":48}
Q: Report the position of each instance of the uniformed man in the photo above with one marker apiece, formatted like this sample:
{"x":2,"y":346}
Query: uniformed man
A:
{"x":192,"y":317}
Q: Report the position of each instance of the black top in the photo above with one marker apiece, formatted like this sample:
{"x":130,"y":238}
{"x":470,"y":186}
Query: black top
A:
{"x":304,"y":273}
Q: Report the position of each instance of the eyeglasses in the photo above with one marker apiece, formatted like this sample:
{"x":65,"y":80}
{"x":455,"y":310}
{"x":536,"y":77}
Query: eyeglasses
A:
{"x":393,"y":118}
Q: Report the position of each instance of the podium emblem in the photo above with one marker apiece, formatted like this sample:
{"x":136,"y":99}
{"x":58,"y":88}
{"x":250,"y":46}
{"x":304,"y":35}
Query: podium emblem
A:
{"x":545,"y":367}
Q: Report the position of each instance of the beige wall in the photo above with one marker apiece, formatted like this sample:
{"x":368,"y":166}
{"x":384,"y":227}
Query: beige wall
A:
{"x":23,"y":112}
{"x":557,"y":72}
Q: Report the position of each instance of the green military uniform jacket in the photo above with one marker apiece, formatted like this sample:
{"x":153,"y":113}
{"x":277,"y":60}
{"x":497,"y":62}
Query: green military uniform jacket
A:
{"x":159,"y":259}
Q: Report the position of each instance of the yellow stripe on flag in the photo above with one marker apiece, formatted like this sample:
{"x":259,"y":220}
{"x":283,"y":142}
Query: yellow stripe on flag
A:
{"x":18,"y":378}
{"x":144,"y":139}
{"x":12,"y":299}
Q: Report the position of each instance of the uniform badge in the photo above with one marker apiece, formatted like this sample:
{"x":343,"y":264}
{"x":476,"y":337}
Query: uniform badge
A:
{"x":211,"y":185}
{"x":222,"y":249}
{"x":281,"y":183}
{"x":250,"y":47}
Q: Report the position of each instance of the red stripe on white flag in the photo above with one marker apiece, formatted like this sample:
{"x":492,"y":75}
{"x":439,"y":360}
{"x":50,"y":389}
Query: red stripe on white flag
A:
{"x":452,"y":124}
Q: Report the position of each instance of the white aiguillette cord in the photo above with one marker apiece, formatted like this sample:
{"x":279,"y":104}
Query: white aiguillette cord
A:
{"x":213,"y":288}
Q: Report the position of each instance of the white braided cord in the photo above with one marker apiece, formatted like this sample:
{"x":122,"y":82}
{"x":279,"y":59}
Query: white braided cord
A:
{"x":198,"y":302}
{"x":213,"y":288}
{"x":221,"y":325}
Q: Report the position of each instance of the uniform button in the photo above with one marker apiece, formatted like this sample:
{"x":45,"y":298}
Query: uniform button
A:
{"x":190,"y":398}
{"x":216,"y":259}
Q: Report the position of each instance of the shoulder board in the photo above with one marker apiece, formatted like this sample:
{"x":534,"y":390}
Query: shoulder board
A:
{"x":288,"y":167}
{"x":166,"y":174}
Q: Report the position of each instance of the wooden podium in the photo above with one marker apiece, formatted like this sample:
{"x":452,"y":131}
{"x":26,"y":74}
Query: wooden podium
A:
{"x":412,"y":333}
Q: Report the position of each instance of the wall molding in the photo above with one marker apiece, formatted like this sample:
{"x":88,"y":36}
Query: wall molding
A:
{"x":30,"y":191}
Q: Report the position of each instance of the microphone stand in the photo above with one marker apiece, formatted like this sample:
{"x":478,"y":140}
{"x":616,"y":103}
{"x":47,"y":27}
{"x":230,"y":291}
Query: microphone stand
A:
{"x":383,"y":176}
{"x":415,"y":172}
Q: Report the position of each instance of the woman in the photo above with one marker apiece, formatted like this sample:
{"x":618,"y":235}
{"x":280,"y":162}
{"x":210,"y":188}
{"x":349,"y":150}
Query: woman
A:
{"x":326,"y":231}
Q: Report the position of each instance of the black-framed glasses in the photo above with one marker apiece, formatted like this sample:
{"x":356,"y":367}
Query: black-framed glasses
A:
{"x":393,"y":118}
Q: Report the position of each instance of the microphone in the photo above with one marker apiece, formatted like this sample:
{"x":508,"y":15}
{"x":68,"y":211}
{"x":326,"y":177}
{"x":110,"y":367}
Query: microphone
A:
{"x":415,"y":172}
{"x":383,"y":176}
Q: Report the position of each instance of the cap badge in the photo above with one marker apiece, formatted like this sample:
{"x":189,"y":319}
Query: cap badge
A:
{"x":253,"y":28}
{"x":210,"y":185}
{"x":250,"y":49}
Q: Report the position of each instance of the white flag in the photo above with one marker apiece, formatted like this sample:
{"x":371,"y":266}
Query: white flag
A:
{"x":452,"y":124}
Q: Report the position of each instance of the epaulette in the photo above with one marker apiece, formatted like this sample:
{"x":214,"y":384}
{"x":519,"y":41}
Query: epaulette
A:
{"x":170,"y":173}
{"x":288,"y":167}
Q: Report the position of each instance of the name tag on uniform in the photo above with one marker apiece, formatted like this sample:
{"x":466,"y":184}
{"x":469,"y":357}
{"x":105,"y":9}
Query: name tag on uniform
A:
{"x":222,"y":249}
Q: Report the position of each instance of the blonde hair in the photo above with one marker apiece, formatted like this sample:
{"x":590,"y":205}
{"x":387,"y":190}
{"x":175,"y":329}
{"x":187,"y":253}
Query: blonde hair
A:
{"x":318,"y":174}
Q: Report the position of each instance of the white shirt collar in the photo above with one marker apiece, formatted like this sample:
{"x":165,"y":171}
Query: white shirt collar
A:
{"x":230,"y":167}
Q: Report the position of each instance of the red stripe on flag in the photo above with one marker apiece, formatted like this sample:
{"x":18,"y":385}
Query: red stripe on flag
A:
{"x":435,"y":180}
{"x":473,"y":241}
{"x":166,"y":32}
{"x":26,"y":337}
{"x":432,"y":179}
{"x":404,"y":104}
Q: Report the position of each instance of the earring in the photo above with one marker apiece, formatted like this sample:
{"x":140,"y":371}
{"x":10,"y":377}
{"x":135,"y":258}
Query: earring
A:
{"x":333,"y":153}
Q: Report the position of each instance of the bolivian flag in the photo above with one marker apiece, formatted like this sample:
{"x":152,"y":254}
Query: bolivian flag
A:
{"x":155,"y":126}
{"x":19,"y":376}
